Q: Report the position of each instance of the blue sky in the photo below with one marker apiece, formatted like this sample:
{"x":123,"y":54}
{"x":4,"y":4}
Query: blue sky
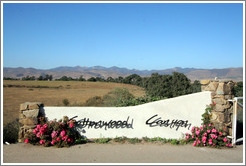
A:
{"x":135,"y":36}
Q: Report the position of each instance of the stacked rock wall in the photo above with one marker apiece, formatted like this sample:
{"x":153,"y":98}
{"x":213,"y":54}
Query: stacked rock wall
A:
{"x":28,"y":118}
{"x":222,"y":113}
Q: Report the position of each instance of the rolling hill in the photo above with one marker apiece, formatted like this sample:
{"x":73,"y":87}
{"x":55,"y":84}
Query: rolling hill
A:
{"x":235,"y":74}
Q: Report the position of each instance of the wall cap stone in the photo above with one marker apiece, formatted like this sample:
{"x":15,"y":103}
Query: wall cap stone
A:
{"x":30,"y":105}
{"x":205,"y":82}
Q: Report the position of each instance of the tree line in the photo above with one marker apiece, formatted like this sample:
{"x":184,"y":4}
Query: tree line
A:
{"x":156,"y":85}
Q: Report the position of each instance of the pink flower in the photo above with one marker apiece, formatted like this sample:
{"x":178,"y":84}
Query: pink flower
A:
{"x":196,"y":138}
{"x":209,"y":125}
{"x":208,"y":131}
{"x":68,"y":140}
{"x":63,"y":133}
{"x":214,"y":130}
{"x":58,"y":139}
{"x":192,"y":136}
{"x":214,"y":104}
{"x":213,"y":136}
{"x":201,"y":128}
{"x":38,"y":126}
{"x":35,"y":131}
{"x":45,"y":126}
{"x":38,"y":134}
{"x":71,"y":125}
{"x":26,"y":141}
{"x":65,"y":138}
{"x":225,"y":140}
{"x":187,"y":134}
{"x":223,"y":129}
{"x":53,"y":142}
{"x":193,"y":128}
{"x":205,"y":134}
{"x":53,"y":134}
{"x":204,"y":144}
{"x":220,"y":134}
{"x":210,"y":143}
{"x":204,"y":125}
{"x":213,"y":144}
{"x":198,"y":142}
{"x":42,"y":129}
{"x":198,"y":132}
{"x":194,"y":144}
{"x":187,"y":137}
{"x":204,"y":138}
{"x":41,"y":141}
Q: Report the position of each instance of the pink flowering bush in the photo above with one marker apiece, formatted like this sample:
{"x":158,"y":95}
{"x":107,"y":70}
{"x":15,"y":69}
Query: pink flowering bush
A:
{"x":207,"y":135}
{"x":53,"y":133}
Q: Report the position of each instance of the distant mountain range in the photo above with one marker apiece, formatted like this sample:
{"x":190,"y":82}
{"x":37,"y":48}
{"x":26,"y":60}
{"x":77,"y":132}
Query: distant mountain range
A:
{"x":235,"y":74}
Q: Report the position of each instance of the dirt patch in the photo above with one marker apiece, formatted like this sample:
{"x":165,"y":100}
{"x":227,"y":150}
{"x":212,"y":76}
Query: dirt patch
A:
{"x":75,"y":91}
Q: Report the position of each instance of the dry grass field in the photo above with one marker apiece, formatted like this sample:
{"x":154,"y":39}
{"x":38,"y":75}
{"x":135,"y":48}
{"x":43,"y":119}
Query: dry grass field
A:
{"x":52,"y":93}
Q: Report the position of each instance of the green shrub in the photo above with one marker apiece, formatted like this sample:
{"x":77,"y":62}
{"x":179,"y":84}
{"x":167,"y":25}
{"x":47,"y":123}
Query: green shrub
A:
{"x":174,"y":142}
{"x":120,"y":139}
{"x":133,"y":140}
{"x":65,"y":102}
{"x":10,"y":132}
{"x":103,"y":140}
{"x":118,"y":97}
{"x":94,"y":101}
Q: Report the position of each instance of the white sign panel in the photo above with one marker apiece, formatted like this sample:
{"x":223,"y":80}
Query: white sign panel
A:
{"x":169,"y":118}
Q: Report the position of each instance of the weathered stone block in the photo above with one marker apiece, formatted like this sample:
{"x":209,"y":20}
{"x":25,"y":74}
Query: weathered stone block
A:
{"x":29,"y":121}
{"x":31,"y":113}
{"x":227,"y":97}
{"x":221,"y":117}
{"x":35,"y":105}
{"x":219,"y":108}
{"x":30,"y":105}
{"x":212,"y":86}
{"x":26,"y":128}
{"x":220,"y":89}
{"x":21,"y":135}
{"x":220,"y":101}
{"x":21,"y":115}
{"x":23,"y":106}
{"x":214,"y":116}
{"x":229,"y":124}
{"x":228,"y":88}
{"x":230,"y":131}
{"x":219,"y":125}
{"x":205,"y":82}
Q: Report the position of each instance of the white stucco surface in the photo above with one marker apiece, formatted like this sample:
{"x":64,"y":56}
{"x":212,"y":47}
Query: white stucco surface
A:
{"x":187,"y":108}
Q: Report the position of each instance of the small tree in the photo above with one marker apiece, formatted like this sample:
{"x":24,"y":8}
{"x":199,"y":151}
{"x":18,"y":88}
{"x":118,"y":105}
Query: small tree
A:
{"x":92,"y":79}
{"x":65,"y":102}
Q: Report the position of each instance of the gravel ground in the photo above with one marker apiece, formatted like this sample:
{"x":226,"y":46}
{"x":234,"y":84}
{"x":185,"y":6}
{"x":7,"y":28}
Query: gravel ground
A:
{"x":121,"y":153}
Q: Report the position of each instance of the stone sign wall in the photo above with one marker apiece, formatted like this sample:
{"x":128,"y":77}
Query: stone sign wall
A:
{"x":169,"y":118}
